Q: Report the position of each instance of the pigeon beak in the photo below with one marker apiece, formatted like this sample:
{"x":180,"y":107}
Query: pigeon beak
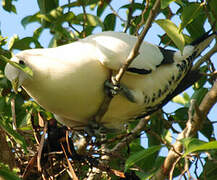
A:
{"x":15,"y":84}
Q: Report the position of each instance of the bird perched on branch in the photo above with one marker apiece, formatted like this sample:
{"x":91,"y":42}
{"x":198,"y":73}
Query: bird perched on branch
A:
{"x":70,"y":80}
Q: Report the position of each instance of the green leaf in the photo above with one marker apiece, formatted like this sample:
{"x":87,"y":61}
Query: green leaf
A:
{"x":165,"y":3}
{"x":12,"y":40}
{"x":70,"y":17}
{"x":181,"y":116}
{"x":196,"y":27}
{"x":180,"y":100}
{"x":47,"y":5}
{"x":199,"y":95}
{"x":173,"y":32}
{"x":141,"y":155}
{"x":37,"y":33}
{"x":209,"y":170}
{"x":22,"y":67}
{"x":189,"y":14}
{"x":134,"y":6}
{"x":207,"y":128}
{"x":168,"y":136}
{"x":2,"y":104}
{"x":3,"y":40}
{"x":109,"y":22}
{"x":193,"y":144}
{"x":8,"y":6}
{"x":202,"y":81}
{"x":6,"y":173}
{"x":80,"y":2}
{"x":91,"y":20}
{"x":30,"y":19}
{"x":25,"y":43}
{"x":101,"y":9}
{"x":213,"y":5}
{"x":16,"y":136}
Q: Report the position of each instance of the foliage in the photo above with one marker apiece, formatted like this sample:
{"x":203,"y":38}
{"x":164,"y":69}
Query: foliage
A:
{"x":67,"y":24}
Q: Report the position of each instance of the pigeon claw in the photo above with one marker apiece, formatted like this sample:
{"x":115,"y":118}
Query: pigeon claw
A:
{"x":121,"y":89}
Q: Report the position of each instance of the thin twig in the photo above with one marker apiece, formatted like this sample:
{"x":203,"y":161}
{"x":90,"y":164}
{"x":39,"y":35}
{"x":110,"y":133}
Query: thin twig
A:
{"x":13,"y":113}
{"x":71,"y":26}
{"x":135,"y":51}
{"x":85,"y":18}
{"x":205,"y":57}
{"x":173,"y":167}
{"x":71,"y":170}
{"x":41,"y":146}
{"x":115,"y":13}
{"x":143,"y":14}
{"x":135,"y":132}
{"x":129,"y":17}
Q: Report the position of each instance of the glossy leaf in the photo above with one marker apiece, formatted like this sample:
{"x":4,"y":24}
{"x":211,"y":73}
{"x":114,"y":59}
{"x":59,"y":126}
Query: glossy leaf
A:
{"x":192,"y":145}
{"x":199,"y":95}
{"x":25,"y":43}
{"x":100,"y":9}
{"x":91,"y":20}
{"x":134,"y":6}
{"x":189,"y":13}
{"x":165,"y":3}
{"x":47,"y":5}
{"x":172,"y":31}
{"x":141,"y":155}
{"x":180,"y":100}
{"x":109,"y":22}
{"x":196,"y":27}
{"x":181,"y":116}
{"x":30,"y":19}
{"x":8,"y":6}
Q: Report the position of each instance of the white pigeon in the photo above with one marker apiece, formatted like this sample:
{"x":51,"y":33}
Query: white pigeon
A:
{"x":69,"y":80}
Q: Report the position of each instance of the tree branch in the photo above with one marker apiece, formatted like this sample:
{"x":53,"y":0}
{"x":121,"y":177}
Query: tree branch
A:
{"x":192,"y":126}
{"x":135,"y":132}
{"x":205,"y":57}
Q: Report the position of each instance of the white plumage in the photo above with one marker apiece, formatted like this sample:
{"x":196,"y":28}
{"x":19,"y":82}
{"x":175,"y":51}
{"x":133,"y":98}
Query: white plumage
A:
{"x":69,"y":80}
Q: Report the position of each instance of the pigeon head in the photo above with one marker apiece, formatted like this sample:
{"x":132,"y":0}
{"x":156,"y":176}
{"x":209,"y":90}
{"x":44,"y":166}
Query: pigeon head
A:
{"x":15,"y":75}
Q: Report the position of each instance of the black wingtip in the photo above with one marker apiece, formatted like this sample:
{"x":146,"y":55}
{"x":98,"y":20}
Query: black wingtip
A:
{"x":203,"y":37}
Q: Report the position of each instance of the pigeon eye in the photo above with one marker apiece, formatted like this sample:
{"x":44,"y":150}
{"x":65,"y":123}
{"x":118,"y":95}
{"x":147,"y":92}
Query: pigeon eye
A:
{"x":21,"y":62}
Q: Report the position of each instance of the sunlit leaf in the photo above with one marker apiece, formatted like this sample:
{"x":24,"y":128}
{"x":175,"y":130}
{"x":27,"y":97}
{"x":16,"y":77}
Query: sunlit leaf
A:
{"x":165,"y":3}
{"x":180,"y":100}
{"x":173,"y":32}
{"x":91,"y":20}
